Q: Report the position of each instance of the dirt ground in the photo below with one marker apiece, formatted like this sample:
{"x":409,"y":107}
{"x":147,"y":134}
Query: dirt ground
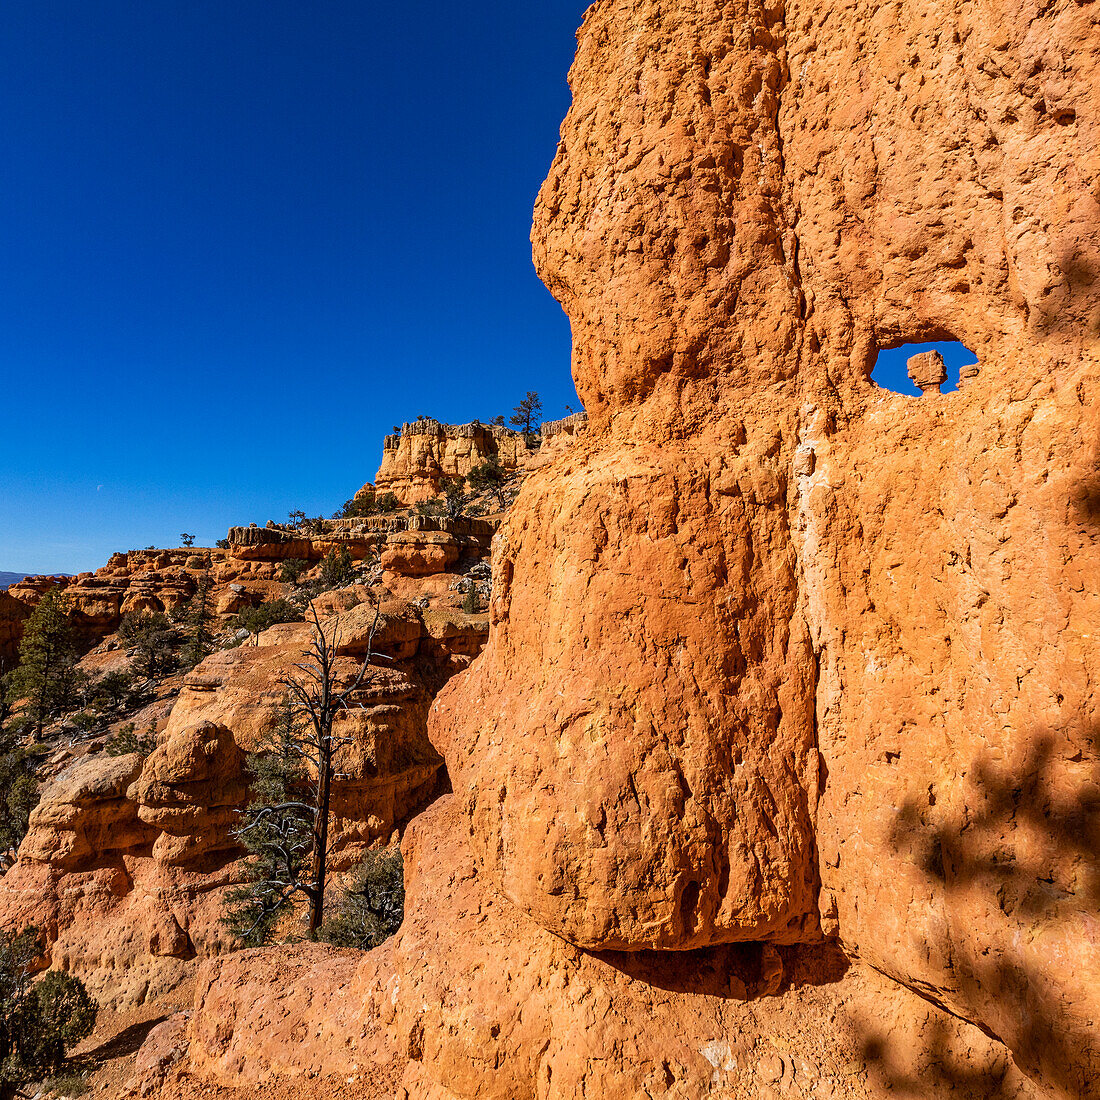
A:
{"x":106,"y":1059}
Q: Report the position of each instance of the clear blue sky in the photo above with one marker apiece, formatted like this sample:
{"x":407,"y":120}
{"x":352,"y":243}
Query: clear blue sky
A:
{"x":241,"y":240}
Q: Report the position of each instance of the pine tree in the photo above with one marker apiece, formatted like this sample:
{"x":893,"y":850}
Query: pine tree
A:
{"x":198,"y":620}
{"x":526,"y":415}
{"x":151,"y":641}
{"x":489,"y":477}
{"x":47,"y":659}
{"x":337,"y":568}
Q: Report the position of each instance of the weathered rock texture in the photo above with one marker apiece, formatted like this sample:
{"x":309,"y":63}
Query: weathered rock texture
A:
{"x":777,"y":654}
{"x":778,"y":657}
{"x":425,"y":454}
{"x":780,"y":662}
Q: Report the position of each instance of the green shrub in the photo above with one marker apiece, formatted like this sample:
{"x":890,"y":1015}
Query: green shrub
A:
{"x":337,"y":568}
{"x":113,"y":691}
{"x":431,"y":507}
{"x":257,"y":619}
{"x":126,"y":740}
{"x":356,"y":508}
{"x":153,"y":641}
{"x":68,"y":1084}
{"x":371,"y":908}
{"x":471,"y":602}
{"x":291,"y":570}
{"x":222,"y":544}
{"x":38,"y":1020}
{"x":387,"y":502}
{"x":18,"y":786}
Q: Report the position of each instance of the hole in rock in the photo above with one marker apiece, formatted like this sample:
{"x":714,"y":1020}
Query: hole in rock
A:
{"x":891,"y":371}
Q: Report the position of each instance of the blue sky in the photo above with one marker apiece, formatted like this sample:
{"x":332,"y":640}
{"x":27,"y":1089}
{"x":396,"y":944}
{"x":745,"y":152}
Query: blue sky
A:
{"x":240,"y":241}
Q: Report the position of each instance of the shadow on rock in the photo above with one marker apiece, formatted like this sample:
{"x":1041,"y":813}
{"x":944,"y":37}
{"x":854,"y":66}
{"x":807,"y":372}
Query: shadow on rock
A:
{"x":741,"y":971}
{"x":1017,"y":870}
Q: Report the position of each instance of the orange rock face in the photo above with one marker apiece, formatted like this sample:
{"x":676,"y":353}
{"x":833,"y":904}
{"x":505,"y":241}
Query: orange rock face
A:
{"x":416,"y":463}
{"x":784,"y":668}
{"x":776,"y":654}
{"x":12,"y":614}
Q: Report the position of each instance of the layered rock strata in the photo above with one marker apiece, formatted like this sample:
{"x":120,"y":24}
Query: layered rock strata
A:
{"x":425,"y":454}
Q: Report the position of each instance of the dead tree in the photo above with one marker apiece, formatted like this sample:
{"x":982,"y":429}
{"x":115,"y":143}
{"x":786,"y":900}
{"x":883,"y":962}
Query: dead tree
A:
{"x":287,"y":830}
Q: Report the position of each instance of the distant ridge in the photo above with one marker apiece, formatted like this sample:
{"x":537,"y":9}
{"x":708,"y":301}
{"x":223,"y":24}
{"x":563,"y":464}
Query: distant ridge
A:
{"x":14,"y":578}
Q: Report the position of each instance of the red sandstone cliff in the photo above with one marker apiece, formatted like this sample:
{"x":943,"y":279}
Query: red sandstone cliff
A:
{"x":778,"y":775}
{"x":778,"y":658}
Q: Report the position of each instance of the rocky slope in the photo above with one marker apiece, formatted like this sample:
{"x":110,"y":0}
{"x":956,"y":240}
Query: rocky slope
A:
{"x":128,"y":858}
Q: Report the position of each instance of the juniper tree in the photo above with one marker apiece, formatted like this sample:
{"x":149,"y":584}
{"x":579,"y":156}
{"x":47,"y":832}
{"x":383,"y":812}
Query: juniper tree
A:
{"x":38,"y":1019}
{"x":489,"y":477}
{"x":337,"y":568}
{"x":372,"y":905}
{"x":285,"y":826}
{"x":47,"y":659}
{"x":454,"y":498}
{"x":198,"y":619}
{"x":18,"y":781}
{"x":151,"y":641}
{"x":291,"y":570}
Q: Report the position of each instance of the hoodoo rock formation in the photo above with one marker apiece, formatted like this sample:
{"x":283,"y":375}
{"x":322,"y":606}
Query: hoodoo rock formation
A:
{"x":778,"y":775}
{"x":424,"y":454}
{"x":778,"y":658}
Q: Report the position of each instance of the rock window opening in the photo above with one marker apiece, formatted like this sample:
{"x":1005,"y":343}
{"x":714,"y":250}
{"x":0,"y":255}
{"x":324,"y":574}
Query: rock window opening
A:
{"x":916,"y":369}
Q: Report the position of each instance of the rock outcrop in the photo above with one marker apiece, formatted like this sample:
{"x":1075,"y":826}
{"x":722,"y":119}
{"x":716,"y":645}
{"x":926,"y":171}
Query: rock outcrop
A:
{"x":417,"y":461}
{"x":128,"y":859}
{"x":151,"y":581}
{"x":779,"y":660}
{"x":12,"y":614}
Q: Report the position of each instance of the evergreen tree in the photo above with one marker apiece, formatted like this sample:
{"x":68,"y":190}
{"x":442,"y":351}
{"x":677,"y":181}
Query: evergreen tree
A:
{"x":291,"y":570}
{"x":489,"y":478}
{"x":454,"y":497}
{"x":372,"y":905}
{"x":199,"y":621}
{"x":276,"y":831}
{"x":337,"y":568}
{"x":471,"y":602}
{"x":38,"y":1020}
{"x":18,"y":781}
{"x":151,"y":641}
{"x":47,"y":659}
{"x":526,"y":414}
